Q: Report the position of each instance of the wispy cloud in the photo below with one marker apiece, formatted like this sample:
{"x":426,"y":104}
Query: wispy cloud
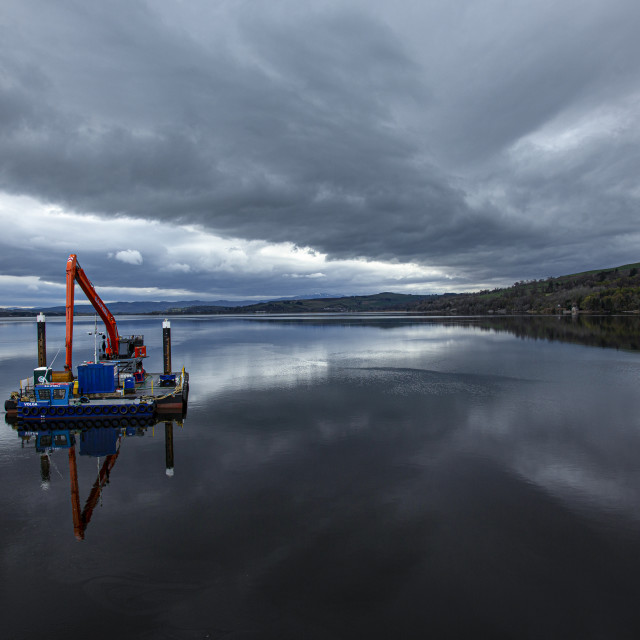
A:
{"x":130,"y":256}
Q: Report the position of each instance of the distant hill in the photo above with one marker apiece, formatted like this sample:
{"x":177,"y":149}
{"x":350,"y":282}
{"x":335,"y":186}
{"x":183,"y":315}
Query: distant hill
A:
{"x":378,"y":302}
{"x":613,"y":290}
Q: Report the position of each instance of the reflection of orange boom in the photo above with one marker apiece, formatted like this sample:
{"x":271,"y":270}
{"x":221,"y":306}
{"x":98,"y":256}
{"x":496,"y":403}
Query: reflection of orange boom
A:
{"x":81,"y":519}
{"x":75,"y":272}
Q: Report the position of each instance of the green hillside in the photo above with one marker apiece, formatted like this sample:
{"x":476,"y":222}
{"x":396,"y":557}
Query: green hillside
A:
{"x":614,"y":290}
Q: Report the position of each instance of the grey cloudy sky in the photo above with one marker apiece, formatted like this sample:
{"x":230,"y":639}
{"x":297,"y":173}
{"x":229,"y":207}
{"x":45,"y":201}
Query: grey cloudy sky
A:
{"x":220,"y":149}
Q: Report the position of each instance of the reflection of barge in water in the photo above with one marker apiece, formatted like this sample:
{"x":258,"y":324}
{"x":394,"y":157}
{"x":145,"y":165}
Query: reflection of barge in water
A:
{"x":105,"y":442}
{"x":114,"y":385}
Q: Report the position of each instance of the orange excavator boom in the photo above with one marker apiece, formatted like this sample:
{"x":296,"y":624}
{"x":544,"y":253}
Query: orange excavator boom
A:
{"x":76,"y":273}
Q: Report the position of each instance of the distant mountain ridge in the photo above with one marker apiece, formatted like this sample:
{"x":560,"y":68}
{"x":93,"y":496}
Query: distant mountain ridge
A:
{"x":612,"y":290}
{"x":145,"y":306}
{"x":142,"y":306}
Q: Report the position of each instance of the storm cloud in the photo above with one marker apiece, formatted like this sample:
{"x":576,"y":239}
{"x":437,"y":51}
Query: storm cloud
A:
{"x":481,"y":142}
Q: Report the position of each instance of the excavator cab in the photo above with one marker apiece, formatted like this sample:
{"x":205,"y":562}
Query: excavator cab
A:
{"x":132,"y":347}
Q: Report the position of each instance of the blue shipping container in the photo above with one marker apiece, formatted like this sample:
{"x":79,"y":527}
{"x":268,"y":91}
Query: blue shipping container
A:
{"x":96,"y":378}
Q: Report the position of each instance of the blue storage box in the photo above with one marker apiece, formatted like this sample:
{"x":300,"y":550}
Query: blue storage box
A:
{"x":96,"y":378}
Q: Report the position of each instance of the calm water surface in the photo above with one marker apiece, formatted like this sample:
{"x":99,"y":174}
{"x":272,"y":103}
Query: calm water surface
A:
{"x":342,"y":477}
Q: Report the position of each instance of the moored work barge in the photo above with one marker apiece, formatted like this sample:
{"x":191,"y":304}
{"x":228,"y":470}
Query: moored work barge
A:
{"x":114,"y":385}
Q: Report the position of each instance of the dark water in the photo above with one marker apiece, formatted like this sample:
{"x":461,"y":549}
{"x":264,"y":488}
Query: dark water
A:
{"x":344,"y":478}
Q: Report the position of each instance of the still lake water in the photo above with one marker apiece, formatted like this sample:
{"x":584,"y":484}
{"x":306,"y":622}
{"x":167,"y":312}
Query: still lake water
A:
{"x":343,"y":477}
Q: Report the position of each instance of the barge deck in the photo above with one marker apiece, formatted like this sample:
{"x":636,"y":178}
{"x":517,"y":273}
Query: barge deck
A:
{"x":165,"y":394}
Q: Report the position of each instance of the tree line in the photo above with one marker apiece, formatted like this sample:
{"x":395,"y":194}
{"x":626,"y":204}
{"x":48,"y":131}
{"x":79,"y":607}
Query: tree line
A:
{"x":614,"y":290}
